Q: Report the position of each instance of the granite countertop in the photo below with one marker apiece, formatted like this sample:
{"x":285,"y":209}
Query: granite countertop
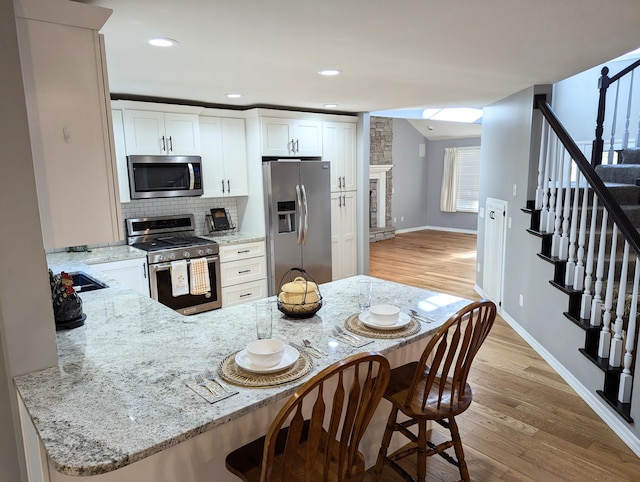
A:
{"x":118,"y":394}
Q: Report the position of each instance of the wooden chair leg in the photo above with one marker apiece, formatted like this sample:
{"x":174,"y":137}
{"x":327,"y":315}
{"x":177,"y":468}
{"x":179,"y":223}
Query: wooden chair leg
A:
{"x":422,"y":451}
{"x":457,"y":445}
{"x":384,"y":446}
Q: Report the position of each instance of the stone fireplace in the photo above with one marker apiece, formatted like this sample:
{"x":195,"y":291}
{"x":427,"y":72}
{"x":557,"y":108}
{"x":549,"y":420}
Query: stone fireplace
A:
{"x":380,"y":179}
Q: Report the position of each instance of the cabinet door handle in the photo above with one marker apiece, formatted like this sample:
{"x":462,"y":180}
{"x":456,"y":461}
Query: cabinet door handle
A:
{"x":164,"y":145}
{"x":344,"y":200}
{"x":339,"y":201}
{"x":144,"y":270}
{"x":297,"y":146}
{"x":292,"y":147}
{"x":243,"y":251}
{"x":344,"y":182}
{"x":244,"y":271}
{"x":228,"y":186}
{"x":222,"y":185}
{"x":245,"y":295}
{"x":170,"y":143}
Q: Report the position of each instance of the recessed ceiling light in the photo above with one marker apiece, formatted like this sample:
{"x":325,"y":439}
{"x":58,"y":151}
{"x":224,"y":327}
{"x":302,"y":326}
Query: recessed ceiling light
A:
{"x":331,"y":106}
{"x":233,"y":96}
{"x":162,"y":42}
{"x":330,"y":72}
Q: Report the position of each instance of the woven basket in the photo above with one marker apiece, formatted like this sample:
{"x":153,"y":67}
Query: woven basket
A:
{"x":300,"y":297}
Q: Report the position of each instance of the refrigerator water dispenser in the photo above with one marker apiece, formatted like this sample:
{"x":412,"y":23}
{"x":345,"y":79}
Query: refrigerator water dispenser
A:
{"x":286,"y":216}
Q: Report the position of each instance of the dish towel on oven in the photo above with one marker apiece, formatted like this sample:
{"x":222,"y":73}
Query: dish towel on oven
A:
{"x":179,"y":279}
{"x":199,"y":278}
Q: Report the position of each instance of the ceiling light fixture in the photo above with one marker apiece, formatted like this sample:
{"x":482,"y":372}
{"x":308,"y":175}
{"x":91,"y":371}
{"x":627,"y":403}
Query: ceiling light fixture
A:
{"x":162,"y":42}
{"x":453,"y":114}
{"x":330,"y":106}
{"x":233,"y":96}
{"x":330,"y":72}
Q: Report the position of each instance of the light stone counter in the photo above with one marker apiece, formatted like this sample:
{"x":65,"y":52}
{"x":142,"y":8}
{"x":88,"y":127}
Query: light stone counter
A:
{"x":119,"y":396}
{"x":234,"y":238}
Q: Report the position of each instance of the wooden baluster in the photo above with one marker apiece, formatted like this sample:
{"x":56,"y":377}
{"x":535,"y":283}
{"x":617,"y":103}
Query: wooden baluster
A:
{"x":615,"y":355}
{"x":626,"y":379}
{"x":605,"y":333}
{"x":579,"y":276}
{"x":555,"y":239}
{"x":543,"y":187}
{"x":552,"y":188}
{"x":585,"y":307}
{"x":613,"y":127}
{"x":625,"y":136}
{"x":564,"y":239}
{"x":570,"y":271}
{"x":596,"y":304}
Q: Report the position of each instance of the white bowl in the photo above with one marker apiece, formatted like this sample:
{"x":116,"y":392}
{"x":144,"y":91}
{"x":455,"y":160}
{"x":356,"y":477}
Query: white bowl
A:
{"x":384,"y":314}
{"x":265,"y":353}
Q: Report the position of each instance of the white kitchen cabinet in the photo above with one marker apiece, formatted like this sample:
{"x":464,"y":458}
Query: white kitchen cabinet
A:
{"x":121,"y":155}
{"x":291,"y":137}
{"x":224,"y":156}
{"x":130,"y":272}
{"x":243,"y":273}
{"x":344,"y":248}
{"x":339,"y":148}
{"x":161,"y":133}
{"x":69,"y":114}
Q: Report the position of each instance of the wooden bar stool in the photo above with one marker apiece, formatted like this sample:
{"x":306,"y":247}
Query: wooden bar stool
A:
{"x":325,"y":445}
{"x":435,"y":388}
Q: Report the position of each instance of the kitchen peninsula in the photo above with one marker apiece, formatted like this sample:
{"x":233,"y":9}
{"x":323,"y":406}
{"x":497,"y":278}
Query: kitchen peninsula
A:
{"x":117,"y":406}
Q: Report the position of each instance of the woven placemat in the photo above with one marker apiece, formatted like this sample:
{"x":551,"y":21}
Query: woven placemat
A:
{"x":232,"y":373}
{"x":356,"y":326}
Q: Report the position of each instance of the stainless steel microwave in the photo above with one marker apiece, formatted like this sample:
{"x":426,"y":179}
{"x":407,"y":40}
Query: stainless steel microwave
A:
{"x":164,"y":176}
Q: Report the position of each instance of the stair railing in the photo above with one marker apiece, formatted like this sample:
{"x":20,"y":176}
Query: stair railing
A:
{"x":579,"y":214}
{"x":603,"y":85}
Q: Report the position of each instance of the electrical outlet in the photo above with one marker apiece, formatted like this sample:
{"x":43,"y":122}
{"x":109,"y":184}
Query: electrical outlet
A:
{"x":401,"y":218}
{"x":515,"y":190}
{"x":478,"y":267}
{"x":521,"y":301}
{"x":394,"y":220}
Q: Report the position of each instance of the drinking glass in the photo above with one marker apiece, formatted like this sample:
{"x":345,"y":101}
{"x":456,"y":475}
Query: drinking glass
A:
{"x":264,"y":320}
{"x":364,"y":294}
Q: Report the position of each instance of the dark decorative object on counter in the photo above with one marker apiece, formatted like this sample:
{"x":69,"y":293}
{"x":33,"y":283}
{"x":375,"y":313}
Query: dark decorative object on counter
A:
{"x":67,"y":305}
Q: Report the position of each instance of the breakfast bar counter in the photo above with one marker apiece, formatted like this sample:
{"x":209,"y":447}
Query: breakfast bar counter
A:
{"x":117,"y":406}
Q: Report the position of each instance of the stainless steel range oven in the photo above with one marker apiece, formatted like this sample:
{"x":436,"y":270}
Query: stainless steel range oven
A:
{"x":170,"y":242}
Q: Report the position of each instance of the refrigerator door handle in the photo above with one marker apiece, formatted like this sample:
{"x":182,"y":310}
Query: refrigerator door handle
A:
{"x":306,"y":214}
{"x":299,"y":210}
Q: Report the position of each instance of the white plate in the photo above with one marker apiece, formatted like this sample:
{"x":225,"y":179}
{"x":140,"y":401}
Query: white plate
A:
{"x":403,"y":320}
{"x":289,"y":358}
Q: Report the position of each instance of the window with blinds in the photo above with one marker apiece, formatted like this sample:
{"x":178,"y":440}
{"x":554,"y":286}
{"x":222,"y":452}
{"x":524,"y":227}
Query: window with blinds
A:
{"x":468,"y":179}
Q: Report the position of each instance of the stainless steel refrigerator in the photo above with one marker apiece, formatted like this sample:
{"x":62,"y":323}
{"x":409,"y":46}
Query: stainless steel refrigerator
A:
{"x":298,"y":205}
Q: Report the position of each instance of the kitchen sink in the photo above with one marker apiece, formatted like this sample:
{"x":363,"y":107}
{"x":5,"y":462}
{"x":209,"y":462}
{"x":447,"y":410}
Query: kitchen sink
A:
{"x":83,"y":282}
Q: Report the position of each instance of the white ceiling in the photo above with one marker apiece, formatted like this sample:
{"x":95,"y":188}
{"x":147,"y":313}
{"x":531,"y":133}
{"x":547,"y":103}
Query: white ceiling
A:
{"x":393,"y":54}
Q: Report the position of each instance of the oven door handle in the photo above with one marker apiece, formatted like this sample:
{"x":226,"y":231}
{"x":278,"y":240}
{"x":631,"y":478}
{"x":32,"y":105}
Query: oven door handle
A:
{"x":154,"y":268}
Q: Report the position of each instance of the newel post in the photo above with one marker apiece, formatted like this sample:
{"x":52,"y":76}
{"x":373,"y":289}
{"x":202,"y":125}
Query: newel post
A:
{"x":598,"y":142}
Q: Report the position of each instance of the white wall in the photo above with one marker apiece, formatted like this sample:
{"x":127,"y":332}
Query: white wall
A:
{"x":27,"y":328}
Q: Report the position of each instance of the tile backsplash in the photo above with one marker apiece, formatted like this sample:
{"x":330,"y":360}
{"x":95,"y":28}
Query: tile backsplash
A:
{"x":180,"y":205}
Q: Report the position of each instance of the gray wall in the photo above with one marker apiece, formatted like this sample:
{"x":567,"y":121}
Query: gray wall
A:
{"x":435,"y":160}
{"x":409,"y":198}
{"x":27,"y":332}
{"x":417,"y":181}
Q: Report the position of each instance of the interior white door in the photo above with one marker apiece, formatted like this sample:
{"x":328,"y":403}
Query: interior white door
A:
{"x":494,"y":244}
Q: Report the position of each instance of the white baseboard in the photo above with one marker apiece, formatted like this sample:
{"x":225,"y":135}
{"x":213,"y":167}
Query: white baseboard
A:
{"x":592,"y":399}
{"x":436,"y":228}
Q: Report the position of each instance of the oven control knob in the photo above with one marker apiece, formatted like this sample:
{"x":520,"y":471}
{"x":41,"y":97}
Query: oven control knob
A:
{"x":162,"y":257}
{"x":186,"y":254}
{"x":201,"y":252}
{"x":209,"y":251}
{"x":172,"y":256}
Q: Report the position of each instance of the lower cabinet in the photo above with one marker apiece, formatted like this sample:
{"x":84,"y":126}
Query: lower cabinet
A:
{"x":344,"y":248}
{"x":243,"y":273}
{"x":130,"y":272}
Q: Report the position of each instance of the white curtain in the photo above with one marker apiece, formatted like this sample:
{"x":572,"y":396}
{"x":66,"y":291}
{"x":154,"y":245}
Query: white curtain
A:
{"x":449,"y":192}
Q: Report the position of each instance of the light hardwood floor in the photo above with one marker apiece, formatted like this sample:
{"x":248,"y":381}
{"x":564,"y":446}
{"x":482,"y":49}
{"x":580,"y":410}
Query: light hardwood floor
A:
{"x":525,"y":422}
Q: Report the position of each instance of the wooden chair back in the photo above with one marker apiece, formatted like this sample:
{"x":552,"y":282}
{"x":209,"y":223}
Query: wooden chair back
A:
{"x":331,"y":438}
{"x":447,"y":358}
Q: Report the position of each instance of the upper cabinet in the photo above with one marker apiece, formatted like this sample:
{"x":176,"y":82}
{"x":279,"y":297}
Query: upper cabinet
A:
{"x":339,"y":148}
{"x":291,"y":137}
{"x":121,"y":155}
{"x":163,"y":133}
{"x":224,"y":156}
{"x":64,"y":70}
